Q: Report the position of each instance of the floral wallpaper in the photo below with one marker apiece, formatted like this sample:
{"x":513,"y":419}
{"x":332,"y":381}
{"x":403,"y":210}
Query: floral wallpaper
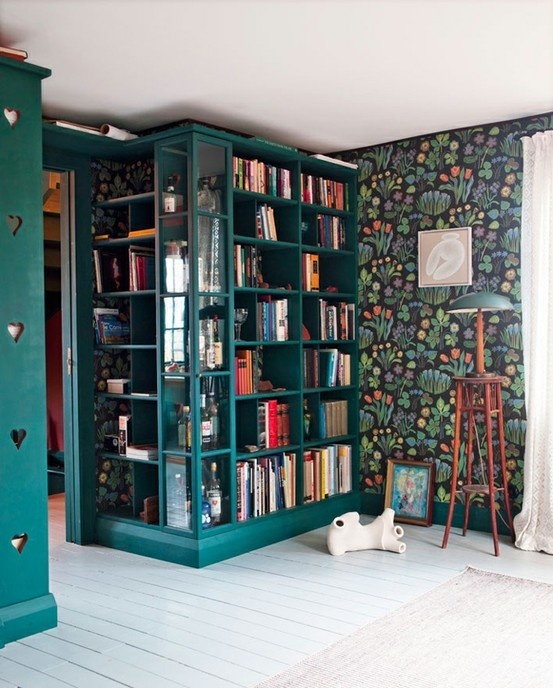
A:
{"x":116,"y":180}
{"x":110,"y":179}
{"x":410,"y":346}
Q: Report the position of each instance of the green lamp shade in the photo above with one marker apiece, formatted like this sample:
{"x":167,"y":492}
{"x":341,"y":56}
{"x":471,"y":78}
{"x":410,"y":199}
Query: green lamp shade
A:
{"x":480,"y":301}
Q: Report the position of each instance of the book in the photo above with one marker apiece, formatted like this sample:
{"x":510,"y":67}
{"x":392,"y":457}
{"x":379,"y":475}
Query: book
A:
{"x":124,"y":433}
{"x":114,"y":272}
{"x":148,"y":452}
{"x":13,"y":53}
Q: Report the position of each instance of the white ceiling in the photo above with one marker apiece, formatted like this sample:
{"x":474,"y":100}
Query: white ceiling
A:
{"x":323,"y":75}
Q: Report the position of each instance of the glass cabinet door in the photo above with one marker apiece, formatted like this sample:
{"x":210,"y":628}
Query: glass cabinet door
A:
{"x":212,"y":228}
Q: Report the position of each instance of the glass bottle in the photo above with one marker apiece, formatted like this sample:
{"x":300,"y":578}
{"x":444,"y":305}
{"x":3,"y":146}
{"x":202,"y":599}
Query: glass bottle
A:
{"x":307,"y":421}
{"x":213,"y":413}
{"x":169,"y":197}
{"x":206,"y":511}
{"x":214,"y":495}
{"x":209,"y":344}
{"x":185,"y":429}
{"x":181,"y":427}
{"x":205,"y":421}
{"x":217,"y":344}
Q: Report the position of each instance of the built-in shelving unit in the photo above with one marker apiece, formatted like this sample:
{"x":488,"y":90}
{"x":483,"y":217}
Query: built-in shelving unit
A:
{"x":243,"y":334}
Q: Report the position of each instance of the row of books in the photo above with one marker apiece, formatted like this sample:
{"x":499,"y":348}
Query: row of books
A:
{"x":325,"y":192}
{"x":247,"y":265}
{"x":111,"y":326}
{"x":333,"y":418}
{"x":265,"y":484}
{"x":272,"y":319}
{"x":326,"y":368}
{"x":265,"y":222}
{"x":124,"y":269}
{"x":245,"y":371}
{"x":310,"y":271}
{"x":336,"y":321}
{"x":273,"y":423}
{"x":255,"y":175}
{"x":326,"y":471}
{"x":331,"y":231}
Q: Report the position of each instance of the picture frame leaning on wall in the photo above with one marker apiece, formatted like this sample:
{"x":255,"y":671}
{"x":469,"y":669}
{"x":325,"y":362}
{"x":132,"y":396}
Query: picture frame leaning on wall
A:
{"x":410,"y":490}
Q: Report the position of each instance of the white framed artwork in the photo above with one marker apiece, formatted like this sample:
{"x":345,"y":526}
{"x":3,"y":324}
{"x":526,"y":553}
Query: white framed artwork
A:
{"x":445,"y":257}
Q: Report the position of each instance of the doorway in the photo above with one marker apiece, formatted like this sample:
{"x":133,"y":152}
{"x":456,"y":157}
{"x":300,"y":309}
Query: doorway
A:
{"x":56,"y":225}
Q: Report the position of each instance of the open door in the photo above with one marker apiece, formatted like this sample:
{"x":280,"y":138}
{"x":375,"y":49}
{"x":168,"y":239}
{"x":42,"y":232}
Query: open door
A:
{"x":58,"y":231}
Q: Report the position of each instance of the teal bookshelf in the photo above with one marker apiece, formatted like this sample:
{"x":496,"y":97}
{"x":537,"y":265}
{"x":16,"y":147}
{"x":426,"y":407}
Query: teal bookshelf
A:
{"x":232,"y":219}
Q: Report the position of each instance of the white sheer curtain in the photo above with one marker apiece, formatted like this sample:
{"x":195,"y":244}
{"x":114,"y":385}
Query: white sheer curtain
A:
{"x":534,"y":524}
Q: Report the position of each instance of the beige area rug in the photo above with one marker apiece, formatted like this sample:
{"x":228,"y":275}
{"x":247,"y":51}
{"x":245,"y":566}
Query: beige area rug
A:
{"x":478,"y":630}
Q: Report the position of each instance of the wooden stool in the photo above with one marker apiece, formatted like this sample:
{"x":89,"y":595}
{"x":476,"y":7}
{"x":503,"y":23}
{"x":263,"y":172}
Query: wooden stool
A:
{"x":479,"y":395}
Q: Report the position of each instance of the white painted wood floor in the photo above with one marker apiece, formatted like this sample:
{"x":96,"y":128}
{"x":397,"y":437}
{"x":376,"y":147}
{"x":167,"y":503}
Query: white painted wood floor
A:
{"x":130,"y":621}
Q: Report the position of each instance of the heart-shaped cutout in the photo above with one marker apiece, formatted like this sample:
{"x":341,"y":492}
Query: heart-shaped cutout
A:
{"x":14,"y":223}
{"x":19,"y":541}
{"x":12,"y":115}
{"x":18,"y":436}
{"x":16,"y":330}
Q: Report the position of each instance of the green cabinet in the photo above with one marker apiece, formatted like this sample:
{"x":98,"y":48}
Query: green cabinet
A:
{"x":26,"y":606}
{"x":236,"y":359}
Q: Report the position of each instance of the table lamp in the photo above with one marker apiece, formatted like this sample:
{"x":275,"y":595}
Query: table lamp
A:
{"x":478,"y":302}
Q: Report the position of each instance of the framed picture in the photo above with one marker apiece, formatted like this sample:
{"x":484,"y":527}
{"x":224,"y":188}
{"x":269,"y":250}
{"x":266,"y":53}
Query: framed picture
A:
{"x":410,"y":491}
{"x":445,"y":257}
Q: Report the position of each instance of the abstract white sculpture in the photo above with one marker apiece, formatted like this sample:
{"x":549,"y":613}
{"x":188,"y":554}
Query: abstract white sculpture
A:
{"x":347,"y":534}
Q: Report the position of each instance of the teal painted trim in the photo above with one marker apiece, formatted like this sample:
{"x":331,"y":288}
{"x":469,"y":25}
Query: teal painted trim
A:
{"x":372,"y":504}
{"x":41,"y":72}
{"x":255,"y":533}
{"x":479,"y":517}
{"x":80,"y":481}
{"x":26,"y":618}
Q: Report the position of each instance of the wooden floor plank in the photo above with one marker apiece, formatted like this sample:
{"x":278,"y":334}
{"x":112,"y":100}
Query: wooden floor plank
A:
{"x":132,"y":622}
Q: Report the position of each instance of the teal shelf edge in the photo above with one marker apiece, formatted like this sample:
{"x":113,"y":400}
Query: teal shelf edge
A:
{"x":168,"y":216}
{"x":267,"y":291}
{"x":242,"y":195}
{"x":311,"y":207}
{"x":133,"y":397}
{"x":125,"y":200}
{"x":267,"y":395}
{"x":132,"y":347}
{"x":125,"y":294}
{"x":321,"y":441}
{"x":240,"y":344}
{"x":326,"y":342}
{"x":124,"y":241}
{"x":123,"y":457}
{"x":270,"y":451}
{"x":343,"y":295}
{"x":334,"y":388}
{"x":325,"y":250}
{"x":269,"y":244}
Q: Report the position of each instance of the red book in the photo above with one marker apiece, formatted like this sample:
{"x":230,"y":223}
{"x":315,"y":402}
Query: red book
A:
{"x":271,"y":423}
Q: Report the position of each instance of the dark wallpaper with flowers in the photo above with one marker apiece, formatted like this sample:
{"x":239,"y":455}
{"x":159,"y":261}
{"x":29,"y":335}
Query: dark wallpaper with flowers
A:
{"x":410,"y":347}
{"x":114,"y":477}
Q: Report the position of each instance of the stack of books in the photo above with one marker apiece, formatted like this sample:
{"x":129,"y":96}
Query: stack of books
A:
{"x":146,"y":452}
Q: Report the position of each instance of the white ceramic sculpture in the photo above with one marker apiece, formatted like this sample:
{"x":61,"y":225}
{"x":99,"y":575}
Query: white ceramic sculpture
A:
{"x":347,"y":534}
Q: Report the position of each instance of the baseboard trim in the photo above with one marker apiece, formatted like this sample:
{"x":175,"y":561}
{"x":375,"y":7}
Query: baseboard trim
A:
{"x":27,"y":618}
{"x":479,"y":517}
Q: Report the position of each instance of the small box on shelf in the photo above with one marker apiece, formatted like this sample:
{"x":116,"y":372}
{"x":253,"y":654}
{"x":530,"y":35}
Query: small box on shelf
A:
{"x":118,"y":386}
